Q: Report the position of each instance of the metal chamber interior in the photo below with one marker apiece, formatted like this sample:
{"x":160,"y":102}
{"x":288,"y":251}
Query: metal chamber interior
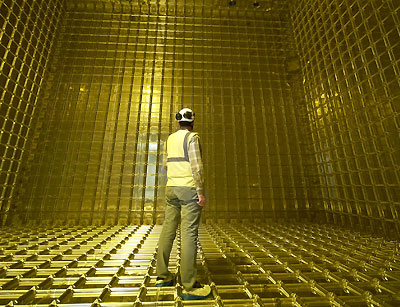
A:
{"x":295,"y":103}
{"x":297,"y":106}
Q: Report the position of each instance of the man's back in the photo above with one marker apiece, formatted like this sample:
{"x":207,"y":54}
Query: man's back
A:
{"x":179,"y":171}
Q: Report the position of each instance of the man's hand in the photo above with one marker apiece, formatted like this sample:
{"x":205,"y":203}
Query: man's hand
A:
{"x":202,"y":200}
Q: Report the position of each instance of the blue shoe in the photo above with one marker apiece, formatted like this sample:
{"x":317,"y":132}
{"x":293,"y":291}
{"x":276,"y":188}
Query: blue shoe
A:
{"x":199,"y":292}
{"x":165,"y":282}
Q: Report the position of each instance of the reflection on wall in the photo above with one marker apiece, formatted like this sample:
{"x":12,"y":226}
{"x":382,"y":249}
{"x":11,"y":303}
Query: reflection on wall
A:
{"x":350,"y":61}
{"x":27,"y":33}
{"x":119,"y":75}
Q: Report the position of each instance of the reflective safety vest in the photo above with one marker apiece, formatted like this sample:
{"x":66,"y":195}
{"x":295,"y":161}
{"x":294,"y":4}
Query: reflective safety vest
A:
{"x":179,"y":172}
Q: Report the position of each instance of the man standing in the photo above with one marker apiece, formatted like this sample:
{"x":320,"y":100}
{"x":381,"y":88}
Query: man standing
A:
{"x":185,"y":200}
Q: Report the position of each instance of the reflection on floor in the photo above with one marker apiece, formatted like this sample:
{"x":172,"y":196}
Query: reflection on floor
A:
{"x":247,"y":265}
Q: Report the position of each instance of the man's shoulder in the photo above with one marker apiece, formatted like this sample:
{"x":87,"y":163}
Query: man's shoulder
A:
{"x":194,"y":137}
{"x":173,"y":134}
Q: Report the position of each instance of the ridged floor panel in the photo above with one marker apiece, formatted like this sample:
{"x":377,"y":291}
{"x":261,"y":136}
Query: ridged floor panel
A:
{"x":246,"y":265}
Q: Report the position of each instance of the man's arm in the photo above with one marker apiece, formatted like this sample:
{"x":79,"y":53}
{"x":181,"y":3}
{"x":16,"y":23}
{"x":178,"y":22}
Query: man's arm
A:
{"x":196,"y":165}
{"x":164,"y":160}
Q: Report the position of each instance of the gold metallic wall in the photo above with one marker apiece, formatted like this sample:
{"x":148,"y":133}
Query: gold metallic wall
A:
{"x":122,"y":70}
{"x":27,"y":31}
{"x":315,"y":140}
{"x":350,"y":61}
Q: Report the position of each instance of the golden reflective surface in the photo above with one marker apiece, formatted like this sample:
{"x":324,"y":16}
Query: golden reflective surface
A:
{"x":351,"y":75}
{"x":296,"y":105}
{"x":245,"y":264}
{"x":116,"y":81}
{"x":26,"y":36}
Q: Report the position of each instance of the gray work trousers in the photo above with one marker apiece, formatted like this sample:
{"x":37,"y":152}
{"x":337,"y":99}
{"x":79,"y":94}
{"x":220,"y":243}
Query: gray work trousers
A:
{"x":181,"y":207}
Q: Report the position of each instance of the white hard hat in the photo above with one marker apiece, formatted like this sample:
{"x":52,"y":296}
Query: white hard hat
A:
{"x":185,"y":115}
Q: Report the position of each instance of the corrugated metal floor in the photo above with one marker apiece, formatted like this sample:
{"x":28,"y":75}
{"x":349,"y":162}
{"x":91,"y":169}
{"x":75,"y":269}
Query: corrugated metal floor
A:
{"x":247,"y":265}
